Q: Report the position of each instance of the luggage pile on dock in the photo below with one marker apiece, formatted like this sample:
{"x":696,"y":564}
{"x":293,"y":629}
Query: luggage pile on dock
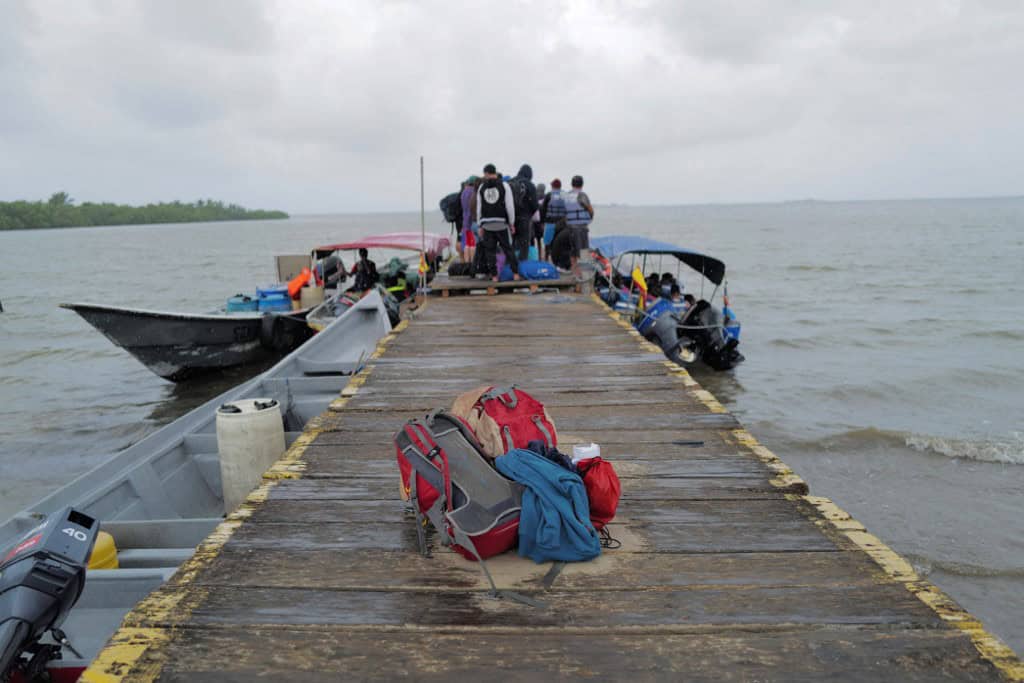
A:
{"x":488,"y":476}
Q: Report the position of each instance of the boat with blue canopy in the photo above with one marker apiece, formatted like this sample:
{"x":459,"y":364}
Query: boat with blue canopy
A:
{"x":688,"y":327}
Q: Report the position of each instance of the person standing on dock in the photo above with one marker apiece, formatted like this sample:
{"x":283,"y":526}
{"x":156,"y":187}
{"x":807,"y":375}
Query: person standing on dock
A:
{"x":496,"y":214}
{"x":552,"y":211}
{"x":468,"y":244}
{"x":537,"y":236}
{"x":579,"y":214}
{"x":524,"y":195}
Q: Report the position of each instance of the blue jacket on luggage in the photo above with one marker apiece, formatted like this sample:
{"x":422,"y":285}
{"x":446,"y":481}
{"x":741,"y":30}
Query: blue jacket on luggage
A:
{"x":555,"y":520}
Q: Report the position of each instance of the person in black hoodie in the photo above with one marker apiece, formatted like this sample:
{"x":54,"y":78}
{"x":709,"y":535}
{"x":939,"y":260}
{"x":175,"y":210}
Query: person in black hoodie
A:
{"x":525,"y":195}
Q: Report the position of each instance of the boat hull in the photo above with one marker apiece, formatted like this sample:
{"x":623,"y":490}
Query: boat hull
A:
{"x":178,"y":346}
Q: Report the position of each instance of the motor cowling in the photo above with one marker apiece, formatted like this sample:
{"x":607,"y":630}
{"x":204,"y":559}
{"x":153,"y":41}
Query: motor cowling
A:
{"x":41,"y":579}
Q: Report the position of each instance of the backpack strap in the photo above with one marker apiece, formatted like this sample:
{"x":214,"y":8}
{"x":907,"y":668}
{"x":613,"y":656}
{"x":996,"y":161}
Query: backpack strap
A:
{"x":460,"y":537}
{"x":441,"y":481}
{"x":543,"y":430}
{"x":421,"y":534}
{"x":507,"y":395}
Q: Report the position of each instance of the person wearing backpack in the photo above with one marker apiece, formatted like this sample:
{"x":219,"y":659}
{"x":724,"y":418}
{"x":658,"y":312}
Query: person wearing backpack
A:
{"x":525,"y":198}
{"x":451,"y":210}
{"x":552,"y":211}
{"x":496,"y":214}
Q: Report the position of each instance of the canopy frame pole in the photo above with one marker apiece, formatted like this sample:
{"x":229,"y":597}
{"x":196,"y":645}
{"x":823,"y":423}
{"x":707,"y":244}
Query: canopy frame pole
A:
{"x":423,"y":230}
{"x":703,"y":277}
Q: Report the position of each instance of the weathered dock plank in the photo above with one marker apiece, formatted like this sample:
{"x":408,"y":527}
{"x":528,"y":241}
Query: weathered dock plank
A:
{"x":728,"y":570}
{"x":738,"y":655}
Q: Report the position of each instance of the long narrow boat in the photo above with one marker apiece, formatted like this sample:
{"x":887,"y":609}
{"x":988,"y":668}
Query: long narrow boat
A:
{"x":160,"y":497}
{"x":178,"y":346}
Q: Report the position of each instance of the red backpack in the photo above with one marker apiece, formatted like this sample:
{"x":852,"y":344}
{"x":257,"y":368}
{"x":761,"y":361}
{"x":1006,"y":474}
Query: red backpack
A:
{"x":603,"y":489}
{"x":505,"y":418}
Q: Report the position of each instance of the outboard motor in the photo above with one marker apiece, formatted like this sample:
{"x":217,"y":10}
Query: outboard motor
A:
{"x":331,"y":271}
{"x":41,"y":579}
{"x":719,"y":349}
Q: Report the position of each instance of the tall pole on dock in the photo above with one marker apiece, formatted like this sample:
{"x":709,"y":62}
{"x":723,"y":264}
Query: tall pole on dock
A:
{"x":423,"y":233}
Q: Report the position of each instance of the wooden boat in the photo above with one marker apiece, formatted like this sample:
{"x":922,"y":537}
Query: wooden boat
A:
{"x":178,"y":346}
{"x":160,"y":497}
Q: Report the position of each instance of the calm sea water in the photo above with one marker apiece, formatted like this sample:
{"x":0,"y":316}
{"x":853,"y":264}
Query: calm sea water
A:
{"x":884,"y":344}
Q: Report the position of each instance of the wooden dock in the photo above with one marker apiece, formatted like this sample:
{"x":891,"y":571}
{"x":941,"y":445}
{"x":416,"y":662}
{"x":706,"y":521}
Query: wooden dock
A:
{"x":728,"y":570}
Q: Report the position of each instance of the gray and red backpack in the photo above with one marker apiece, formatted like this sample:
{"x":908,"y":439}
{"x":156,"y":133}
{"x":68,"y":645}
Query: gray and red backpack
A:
{"x":449,"y":481}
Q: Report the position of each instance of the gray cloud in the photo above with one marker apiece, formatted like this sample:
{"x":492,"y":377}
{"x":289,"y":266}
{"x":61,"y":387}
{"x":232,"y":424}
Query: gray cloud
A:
{"x":320,"y":106}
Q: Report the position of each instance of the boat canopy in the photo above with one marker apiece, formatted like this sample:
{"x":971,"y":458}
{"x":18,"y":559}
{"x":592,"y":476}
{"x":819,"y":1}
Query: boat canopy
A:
{"x":411,"y":241}
{"x":614,"y":246}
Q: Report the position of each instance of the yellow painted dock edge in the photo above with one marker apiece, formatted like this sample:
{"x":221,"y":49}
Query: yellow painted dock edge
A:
{"x":122,"y":658}
{"x":894,"y":566}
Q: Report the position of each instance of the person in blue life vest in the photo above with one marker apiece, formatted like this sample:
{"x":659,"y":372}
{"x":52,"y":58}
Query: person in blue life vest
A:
{"x":496,"y":215}
{"x":579,"y":214}
{"x":552,"y":210}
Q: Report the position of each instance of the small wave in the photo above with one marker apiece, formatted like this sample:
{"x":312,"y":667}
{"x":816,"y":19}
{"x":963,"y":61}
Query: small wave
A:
{"x":811,"y":268}
{"x":926,"y":565}
{"x":1014,"y":335}
{"x":1008,"y":450}
{"x":790,"y":343}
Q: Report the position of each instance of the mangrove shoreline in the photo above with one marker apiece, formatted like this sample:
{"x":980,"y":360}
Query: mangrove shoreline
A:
{"x":60,"y":211}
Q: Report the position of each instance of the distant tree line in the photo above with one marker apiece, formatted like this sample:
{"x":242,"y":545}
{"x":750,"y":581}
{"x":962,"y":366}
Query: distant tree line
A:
{"x":60,"y":211}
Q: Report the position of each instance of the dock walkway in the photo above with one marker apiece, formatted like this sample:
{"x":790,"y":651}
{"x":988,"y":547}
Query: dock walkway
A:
{"x":728,"y":570}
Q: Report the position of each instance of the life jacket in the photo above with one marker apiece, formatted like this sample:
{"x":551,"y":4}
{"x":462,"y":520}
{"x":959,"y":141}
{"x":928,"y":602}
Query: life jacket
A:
{"x":491,"y":198}
{"x":556,"y":207}
{"x":575,"y":213}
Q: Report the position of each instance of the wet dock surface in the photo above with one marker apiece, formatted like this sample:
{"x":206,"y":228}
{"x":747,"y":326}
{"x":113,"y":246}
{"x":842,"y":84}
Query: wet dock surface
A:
{"x":728,"y":570}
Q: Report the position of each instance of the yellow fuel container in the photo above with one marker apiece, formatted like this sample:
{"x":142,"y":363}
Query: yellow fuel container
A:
{"x":104,"y":553}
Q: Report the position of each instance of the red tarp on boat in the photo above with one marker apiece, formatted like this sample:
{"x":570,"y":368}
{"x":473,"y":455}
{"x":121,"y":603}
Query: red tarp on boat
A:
{"x":412,"y":241}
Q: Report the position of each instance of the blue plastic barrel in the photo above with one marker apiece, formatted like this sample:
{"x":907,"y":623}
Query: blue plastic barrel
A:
{"x":275,"y":303}
{"x":241,"y":303}
{"x":271,"y":290}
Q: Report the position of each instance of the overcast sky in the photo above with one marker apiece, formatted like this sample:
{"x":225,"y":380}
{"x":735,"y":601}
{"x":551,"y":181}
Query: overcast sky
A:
{"x":326,"y":106}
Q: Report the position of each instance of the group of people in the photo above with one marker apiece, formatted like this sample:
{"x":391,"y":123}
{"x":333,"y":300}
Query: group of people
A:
{"x":659,"y":286}
{"x":512,"y":214}
{"x":666,"y":286}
